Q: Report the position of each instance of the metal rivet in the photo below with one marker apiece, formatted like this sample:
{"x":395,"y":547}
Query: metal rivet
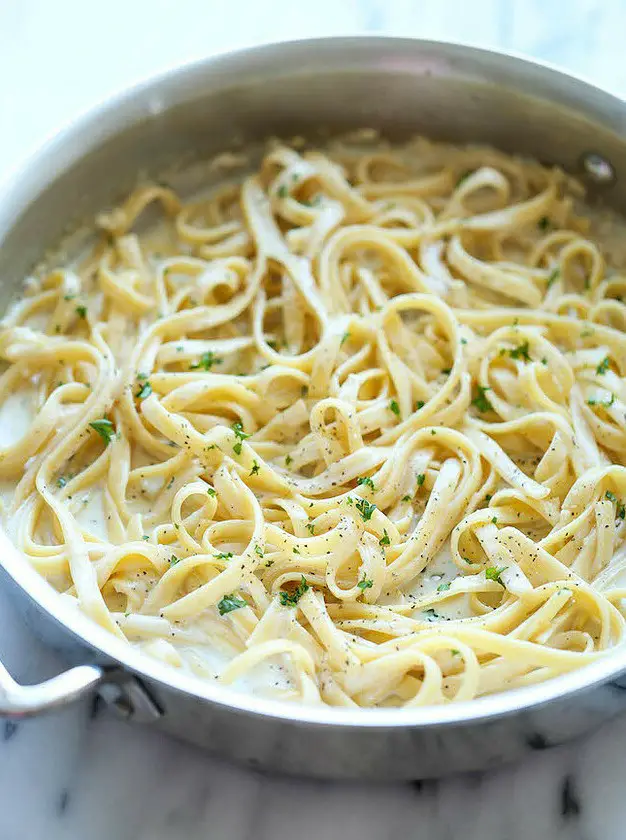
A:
{"x":598,"y":169}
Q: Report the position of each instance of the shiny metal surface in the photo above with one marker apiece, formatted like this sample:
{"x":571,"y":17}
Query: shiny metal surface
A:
{"x":316,"y":87}
{"x":24,"y":700}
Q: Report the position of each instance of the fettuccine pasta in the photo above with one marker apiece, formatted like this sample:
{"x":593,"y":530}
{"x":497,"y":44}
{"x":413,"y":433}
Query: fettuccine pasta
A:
{"x":348,"y":430}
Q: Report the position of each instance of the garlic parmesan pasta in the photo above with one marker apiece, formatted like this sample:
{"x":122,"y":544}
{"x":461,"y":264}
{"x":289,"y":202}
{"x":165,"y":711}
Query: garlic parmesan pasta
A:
{"x":348,"y":430}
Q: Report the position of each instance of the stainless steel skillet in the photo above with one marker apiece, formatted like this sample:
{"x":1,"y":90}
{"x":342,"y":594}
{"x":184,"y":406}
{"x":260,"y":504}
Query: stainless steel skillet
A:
{"x":309,"y":87}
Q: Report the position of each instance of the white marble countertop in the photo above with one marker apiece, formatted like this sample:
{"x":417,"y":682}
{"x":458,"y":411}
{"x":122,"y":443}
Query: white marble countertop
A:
{"x":74,"y":776}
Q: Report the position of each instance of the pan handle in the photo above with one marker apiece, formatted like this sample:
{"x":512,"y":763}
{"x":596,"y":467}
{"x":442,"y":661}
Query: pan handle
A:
{"x":123,"y":692}
{"x":24,"y":700}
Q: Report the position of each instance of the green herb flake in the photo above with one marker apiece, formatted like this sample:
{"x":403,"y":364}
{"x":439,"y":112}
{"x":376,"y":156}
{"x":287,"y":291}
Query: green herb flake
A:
{"x":105,"y":429}
{"x":206,"y":361}
{"x":603,"y":366}
{"x":443,"y":587}
{"x":310,"y":528}
{"x":211,"y":491}
{"x":61,"y":481}
{"x":290,"y":599}
{"x":345,"y":337}
{"x":543,"y":223}
{"x":365,"y":509}
{"x":224,"y":555}
{"x":481,"y":402}
{"x":384,"y":540}
{"x":241,"y":435}
{"x":493,"y":573}
{"x":282,"y":191}
{"x":81,"y":311}
{"x":603,"y":403}
{"x":406,"y":498}
{"x":520,"y":352}
{"x":174,"y":560}
{"x":288,"y":460}
{"x":494,"y":519}
{"x":367,"y":481}
{"x":554,"y":276}
{"x":393,"y":406}
{"x":255,"y":468}
{"x":421,"y":478}
{"x":144,"y":391}
{"x":229,"y":603}
{"x":419,"y":404}
{"x":364,"y":584}
{"x":620,"y":510}
{"x":259,"y":551}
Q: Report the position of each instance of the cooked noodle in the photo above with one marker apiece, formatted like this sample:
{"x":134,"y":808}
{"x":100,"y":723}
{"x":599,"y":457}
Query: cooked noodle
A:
{"x":351,"y":430}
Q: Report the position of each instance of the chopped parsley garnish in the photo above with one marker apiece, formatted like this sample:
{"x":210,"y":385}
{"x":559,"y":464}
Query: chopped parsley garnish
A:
{"x":144,"y":391}
{"x":145,"y":537}
{"x":481,"y":402}
{"x":255,"y":468}
{"x":393,"y":406}
{"x":225,"y":555}
{"x":493,"y":573}
{"x":520,"y":352}
{"x":142,"y":376}
{"x":494,"y":519}
{"x":81,"y":311}
{"x":419,"y":404}
{"x":443,"y":587}
{"x":620,"y":509}
{"x":69,"y":297}
{"x":241,"y":435}
{"x":174,"y":560}
{"x":310,"y":528}
{"x":365,"y":509}
{"x":290,"y":599}
{"x":384,"y":540}
{"x":364,"y":584}
{"x":61,"y":482}
{"x":366,"y":481}
{"x":604,"y":403}
{"x":603,"y":366}
{"x":406,"y":498}
{"x":554,"y":276}
{"x":446,"y":371}
{"x":543,"y":223}
{"x":211,"y":491}
{"x":421,"y":478}
{"x":288,"y":460}
{"x":105,"y":429}
{"x":206,"y":361}
{"x":344,"y":338}
{"x":258,"y":550}
{"x":230,"y":603}
{"x":431,"y":614}
{"x":282,"y":191}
